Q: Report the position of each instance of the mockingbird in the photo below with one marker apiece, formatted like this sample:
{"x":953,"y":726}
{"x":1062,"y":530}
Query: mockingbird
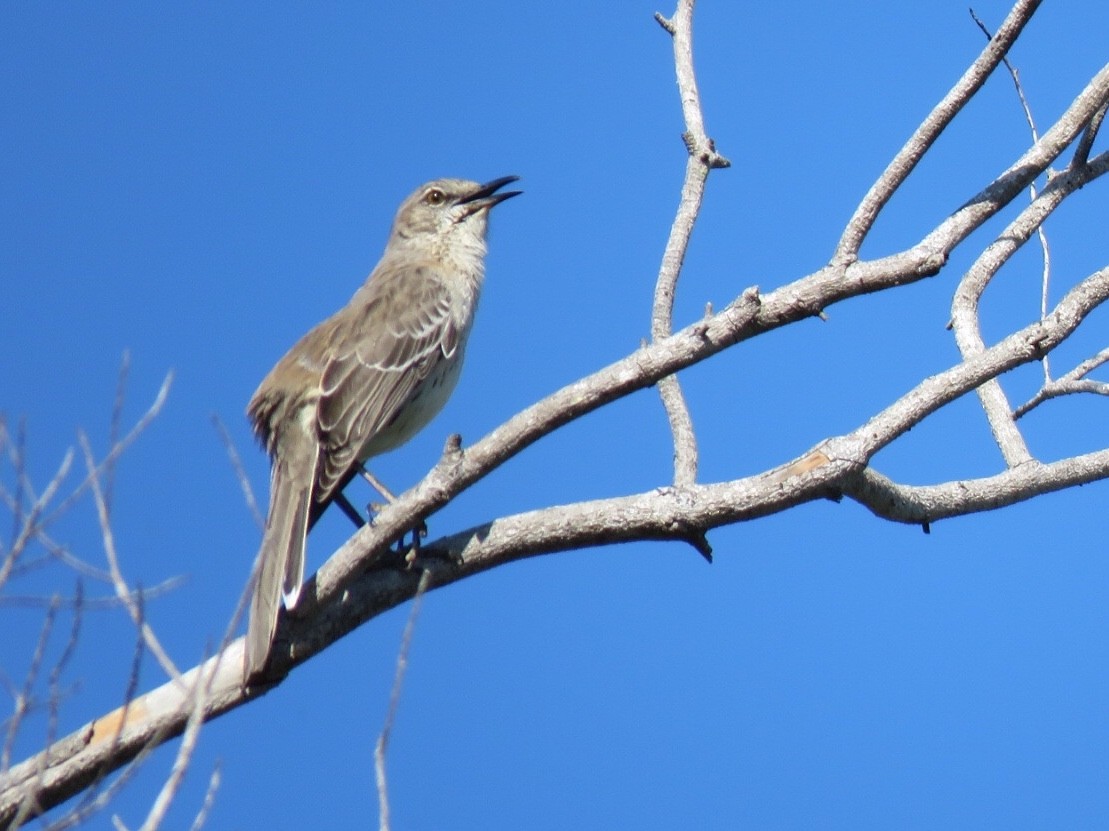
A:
{"x":366,"y":379}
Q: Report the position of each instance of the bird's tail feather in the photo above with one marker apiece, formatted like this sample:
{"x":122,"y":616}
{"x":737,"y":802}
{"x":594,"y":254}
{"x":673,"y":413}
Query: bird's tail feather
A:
{"x":281,"y":558}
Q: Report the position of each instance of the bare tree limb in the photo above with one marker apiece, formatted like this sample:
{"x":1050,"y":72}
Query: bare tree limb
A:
{"x":922,"y":505}
{"x":702,"y":158}
{"x":965,"y":319}
{"x":918,"y":144}
{"x":345,"y":593}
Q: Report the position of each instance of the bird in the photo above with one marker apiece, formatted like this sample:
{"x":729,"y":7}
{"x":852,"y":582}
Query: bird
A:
{"x":366,"y":380}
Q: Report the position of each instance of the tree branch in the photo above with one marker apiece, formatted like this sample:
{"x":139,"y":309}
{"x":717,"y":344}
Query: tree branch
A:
{"x":346,"y":591}
{"x":925,"y":135}
{"x":922,"y":505}
{"x":965,"y":321}
{"x":702,"y":158}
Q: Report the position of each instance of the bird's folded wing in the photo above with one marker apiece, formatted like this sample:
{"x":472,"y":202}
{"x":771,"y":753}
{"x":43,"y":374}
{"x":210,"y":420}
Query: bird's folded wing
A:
{"x":400,"y":327}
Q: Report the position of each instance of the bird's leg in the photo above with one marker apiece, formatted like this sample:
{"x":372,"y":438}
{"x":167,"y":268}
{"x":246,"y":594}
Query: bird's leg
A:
{"x":418,"y":532}
{"x":376,"y":484}
{"x":349,"y":510}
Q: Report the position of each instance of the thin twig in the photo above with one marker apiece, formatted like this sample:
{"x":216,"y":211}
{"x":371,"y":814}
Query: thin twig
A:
{"x":31,"y":520}
{"x":17,"y":457}
{"x":116,"y":450}
{"x":1045,"y":249}
{"x":185,"y":751}
{"x":240,"y":471}
{"x":56,"y":553}
{"x":112,"y":601}
{"x":1072,"y":383}
{"x":209,"y":799}
{"x":115,"y":425}
{"x":130,"y":599}
{"x":25,"y":697}
{"x":1016,"y":79}
{"x":394,"y":702}
{"x":54,"y":686}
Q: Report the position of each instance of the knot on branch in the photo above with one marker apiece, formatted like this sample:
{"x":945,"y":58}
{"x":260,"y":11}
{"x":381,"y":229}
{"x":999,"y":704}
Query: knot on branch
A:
{"x":932,"y":263}
{"x":703,"y":149}
{"x":700,"y":329}
{"x":748,"y":303}
{"x":452,"y":454}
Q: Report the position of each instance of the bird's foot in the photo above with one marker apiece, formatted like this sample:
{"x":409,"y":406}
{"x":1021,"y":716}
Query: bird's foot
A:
{"x":412,"y":551}
{"x":408,"y":555}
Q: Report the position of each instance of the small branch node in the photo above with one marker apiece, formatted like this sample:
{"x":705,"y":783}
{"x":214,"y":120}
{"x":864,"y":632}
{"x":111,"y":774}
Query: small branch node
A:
{"x":694,"y":536}
{"x":750,"y":300}
{"x":452,"y":450}
{"x":716,"y":161}
{"x":664,"y":22}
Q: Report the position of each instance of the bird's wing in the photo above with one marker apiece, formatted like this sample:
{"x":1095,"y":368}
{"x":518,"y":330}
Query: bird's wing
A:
{"x":399,"y":327}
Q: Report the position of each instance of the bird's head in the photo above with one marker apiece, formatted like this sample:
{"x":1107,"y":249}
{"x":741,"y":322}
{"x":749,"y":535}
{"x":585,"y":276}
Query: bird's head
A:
{"x":449,"y":213}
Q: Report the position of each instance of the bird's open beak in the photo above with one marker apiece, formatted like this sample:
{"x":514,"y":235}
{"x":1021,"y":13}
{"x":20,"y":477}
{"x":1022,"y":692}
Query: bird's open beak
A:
{"x":486,"y":196}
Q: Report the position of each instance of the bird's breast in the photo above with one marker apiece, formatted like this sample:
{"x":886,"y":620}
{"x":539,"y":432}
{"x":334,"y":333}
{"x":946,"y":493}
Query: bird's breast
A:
{"x":427,"y":399}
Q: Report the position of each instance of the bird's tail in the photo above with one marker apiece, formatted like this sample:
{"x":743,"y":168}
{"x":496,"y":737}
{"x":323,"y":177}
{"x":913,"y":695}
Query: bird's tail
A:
{"x":280,"y":564}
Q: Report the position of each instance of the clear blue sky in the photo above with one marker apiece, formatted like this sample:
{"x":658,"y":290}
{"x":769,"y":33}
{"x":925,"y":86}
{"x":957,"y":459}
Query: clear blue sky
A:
{"x":201,"y":183}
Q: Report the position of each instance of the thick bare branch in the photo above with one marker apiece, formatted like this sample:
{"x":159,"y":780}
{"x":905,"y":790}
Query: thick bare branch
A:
{"x":1023,"y":171}
{"x":922,"y":505}
{"x":965,"y":313}
{"x":1020,"y":347}
{"x":966,"y":323}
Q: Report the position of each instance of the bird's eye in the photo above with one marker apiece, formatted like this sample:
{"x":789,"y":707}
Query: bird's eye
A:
{"x":435,"y":197}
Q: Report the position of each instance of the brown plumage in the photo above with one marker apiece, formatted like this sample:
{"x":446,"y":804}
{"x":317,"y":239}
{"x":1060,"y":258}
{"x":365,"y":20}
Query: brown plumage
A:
{"x":366,"y":379}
